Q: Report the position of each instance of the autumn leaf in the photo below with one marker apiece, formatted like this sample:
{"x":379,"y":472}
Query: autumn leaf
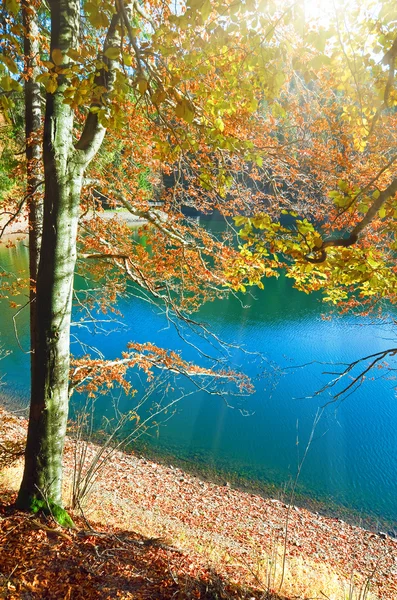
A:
{"x":57,"y":57}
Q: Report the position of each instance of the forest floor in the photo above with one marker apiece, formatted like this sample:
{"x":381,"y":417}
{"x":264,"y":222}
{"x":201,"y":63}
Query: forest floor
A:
{"x":150,"y":531}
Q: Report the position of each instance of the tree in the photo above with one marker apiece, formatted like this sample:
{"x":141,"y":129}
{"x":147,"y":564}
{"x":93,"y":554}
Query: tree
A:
{"x":179,"y":89}
{"x":338,"y":234}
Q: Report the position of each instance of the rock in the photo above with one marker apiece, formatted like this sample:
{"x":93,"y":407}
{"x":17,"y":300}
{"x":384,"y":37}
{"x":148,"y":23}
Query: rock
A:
{"x":392,"y":533}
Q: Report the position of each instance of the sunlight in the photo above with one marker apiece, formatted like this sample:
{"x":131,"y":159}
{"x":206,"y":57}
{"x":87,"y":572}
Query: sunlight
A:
{"x":319,"y":11}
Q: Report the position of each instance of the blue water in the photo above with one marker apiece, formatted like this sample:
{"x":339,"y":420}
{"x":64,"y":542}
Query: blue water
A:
{"x":352,"y":457}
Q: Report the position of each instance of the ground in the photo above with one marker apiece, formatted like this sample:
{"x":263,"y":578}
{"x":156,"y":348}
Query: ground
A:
{"x":149,"y":530}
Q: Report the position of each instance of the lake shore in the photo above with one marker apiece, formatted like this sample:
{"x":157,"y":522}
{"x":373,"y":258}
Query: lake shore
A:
{"x":218,"y":521}
{"x":18,"y":228}
{"x":223,"y":476}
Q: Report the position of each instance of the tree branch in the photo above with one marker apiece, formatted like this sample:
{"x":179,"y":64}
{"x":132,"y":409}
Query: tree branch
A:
{"x":388,"y":59}
{"x":321,"y":252}
{"x":93,"y":132}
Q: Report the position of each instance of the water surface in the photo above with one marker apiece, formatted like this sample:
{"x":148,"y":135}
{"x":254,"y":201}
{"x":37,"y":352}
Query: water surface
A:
{"x":352,"y":457}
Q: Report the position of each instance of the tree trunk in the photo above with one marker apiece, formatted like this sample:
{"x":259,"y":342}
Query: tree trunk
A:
{"x":33,"y":155}
{"x":64,"y":167}
{"x":42,"y":480}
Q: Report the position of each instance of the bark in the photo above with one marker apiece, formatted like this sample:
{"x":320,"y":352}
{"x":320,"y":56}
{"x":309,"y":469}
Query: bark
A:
{"x":64,"y":167}
{"x":33,"y":155}
{"x":63,"y":178}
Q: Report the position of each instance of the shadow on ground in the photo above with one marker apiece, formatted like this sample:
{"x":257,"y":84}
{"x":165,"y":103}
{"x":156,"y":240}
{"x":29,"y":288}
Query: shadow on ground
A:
{"x":39,"y":560}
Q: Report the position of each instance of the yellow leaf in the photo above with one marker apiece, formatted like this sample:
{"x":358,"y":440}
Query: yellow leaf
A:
{"x":142,"y":84}
{"x":57,"y":57}
{"x":73,"y":54}
{"x":219,"y":124}
{"x":159,"y":96}
{"x":318,"y":242}
{"x":51,"y":85}
{"x":16,"y":86}
{"x":5,"y":83}
{"x":12,"y":6}
{"x":206,"y":10}
{"x":185,"y":110}
{"x":127,"y":59}
{"x":10,"y":64}
{"x":113,"y":53}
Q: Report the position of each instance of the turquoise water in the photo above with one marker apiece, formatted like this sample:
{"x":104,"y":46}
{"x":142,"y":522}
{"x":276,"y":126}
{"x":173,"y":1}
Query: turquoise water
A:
{"x":352,"y":457}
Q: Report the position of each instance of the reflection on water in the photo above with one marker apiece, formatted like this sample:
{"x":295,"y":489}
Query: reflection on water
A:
{"x":352,"y":459}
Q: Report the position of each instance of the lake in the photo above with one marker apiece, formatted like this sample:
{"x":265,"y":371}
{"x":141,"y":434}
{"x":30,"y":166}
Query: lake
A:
{"x":351,"y":462}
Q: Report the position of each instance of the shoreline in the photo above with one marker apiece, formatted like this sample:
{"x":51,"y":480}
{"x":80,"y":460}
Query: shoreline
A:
{"x":18,"y":229}
{"x":233,"y":480}
{"x":234,"y":530}
{"x":272,"y":491}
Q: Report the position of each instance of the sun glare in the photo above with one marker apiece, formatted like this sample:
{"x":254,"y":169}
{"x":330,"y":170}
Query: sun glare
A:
{"x":318,"y":10}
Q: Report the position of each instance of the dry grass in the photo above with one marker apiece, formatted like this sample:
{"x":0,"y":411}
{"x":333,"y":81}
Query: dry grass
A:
{"x":305,"y":578}
{"x":11,"y":476}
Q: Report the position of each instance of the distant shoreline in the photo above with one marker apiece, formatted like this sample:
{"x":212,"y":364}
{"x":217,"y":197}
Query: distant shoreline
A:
{"x":19,"y":227}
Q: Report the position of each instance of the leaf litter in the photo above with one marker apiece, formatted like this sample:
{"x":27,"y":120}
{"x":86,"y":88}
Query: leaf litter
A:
{"x":153,"y":531}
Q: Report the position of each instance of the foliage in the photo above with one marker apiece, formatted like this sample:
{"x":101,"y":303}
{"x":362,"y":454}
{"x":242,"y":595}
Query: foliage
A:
{"x":339,"y":229}
{"x":8,"y":162}
{"x":178,"y":90}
